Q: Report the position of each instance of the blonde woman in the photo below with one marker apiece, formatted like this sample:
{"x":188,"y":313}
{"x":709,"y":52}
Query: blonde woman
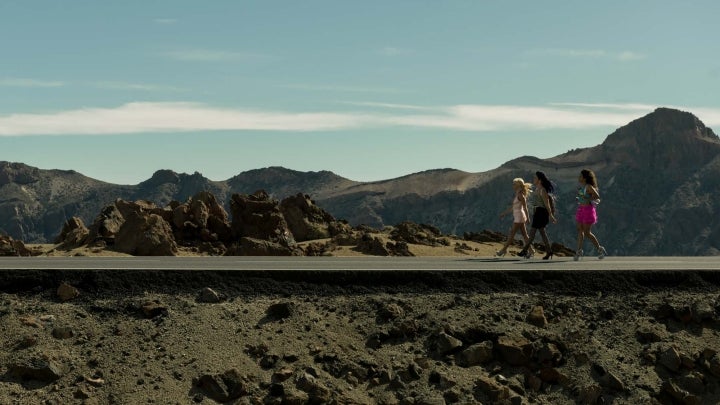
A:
{"x":519,"y":211}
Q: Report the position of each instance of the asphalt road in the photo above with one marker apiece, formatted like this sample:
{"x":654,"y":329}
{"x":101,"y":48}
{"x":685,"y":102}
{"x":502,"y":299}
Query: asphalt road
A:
{"x":650,"y":263}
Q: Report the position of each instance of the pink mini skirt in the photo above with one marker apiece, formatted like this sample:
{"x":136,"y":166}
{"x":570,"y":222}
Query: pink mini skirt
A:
{"x":586,"y":214}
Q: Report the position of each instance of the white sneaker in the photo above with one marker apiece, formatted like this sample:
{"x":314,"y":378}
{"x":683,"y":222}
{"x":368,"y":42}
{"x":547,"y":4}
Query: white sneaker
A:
{"x":578,"y":255}
{"x":602,"y":253}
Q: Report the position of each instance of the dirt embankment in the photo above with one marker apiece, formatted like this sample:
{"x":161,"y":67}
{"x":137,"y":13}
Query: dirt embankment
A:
{"x":165,"y":337}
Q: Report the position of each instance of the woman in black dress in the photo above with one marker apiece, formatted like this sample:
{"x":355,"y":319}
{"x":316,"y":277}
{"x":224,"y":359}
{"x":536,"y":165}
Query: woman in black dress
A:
{"x":543,"y":213}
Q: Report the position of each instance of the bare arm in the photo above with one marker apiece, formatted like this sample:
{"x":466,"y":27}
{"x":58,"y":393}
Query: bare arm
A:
{"x":546,"y":199}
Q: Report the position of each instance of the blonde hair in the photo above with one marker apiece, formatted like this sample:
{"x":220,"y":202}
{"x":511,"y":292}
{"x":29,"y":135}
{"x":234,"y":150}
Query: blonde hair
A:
{"x":526,"y":187}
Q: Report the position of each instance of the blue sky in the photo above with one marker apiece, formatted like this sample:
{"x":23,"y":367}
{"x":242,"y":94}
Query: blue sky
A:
{"x":368,"y":89}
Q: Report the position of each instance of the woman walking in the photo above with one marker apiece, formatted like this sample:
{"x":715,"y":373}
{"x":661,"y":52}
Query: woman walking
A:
{"x":586,"y":215}
{"x":519,"y":211}
{"x":544,"y":212}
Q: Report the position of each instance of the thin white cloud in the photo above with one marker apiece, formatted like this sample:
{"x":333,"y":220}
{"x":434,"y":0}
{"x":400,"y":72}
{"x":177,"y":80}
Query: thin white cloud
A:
{"x":709,"y":116}
{"x":135,"y":86}
{"x":507,"y":117}
{"x":169,"y":117}
{"x":179,"y":117}
{"x":347,"y":89}
{"x":22,"y":82}
{"x":390,"y":105}
{"x":209,"y":55}
{"x":628,"y":55}
{"x":612,"y":106}
{"x":588,"y":53}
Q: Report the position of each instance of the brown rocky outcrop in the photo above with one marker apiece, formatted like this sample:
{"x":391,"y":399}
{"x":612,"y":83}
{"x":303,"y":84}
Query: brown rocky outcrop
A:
{"x":141,"y":226}
{"x":200,"y":218}
{"x":11,"y":247}
{"x":421,"y":234}
{"x":260,"y":226}
{"x":105,"y":226}
{"x":306,"y":220}
{"x":145,"y":235}
{"x":258,"y":216}
{"x":375,"y":246}
{"x":261,"y":247}
{"x":73,"y":234}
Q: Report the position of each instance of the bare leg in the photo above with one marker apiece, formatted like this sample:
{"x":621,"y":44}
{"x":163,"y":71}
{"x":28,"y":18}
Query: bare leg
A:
{"x":530,"y":239}
{"x":587,"y":232}
{"x":524,"y":233}
{"x":525,"y":236}
{"x":545,"y":239}
{"x":580,"y":237}
{"x":511,"y":237}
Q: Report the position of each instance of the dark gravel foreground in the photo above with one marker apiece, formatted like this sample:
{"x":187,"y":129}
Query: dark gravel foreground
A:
{"x":344,"y":337}
{"x":575,"y":283}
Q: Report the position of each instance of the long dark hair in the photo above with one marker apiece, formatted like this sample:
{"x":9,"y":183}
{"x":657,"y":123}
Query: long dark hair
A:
{"x":589,"y":177}
{"x":546,"y":183}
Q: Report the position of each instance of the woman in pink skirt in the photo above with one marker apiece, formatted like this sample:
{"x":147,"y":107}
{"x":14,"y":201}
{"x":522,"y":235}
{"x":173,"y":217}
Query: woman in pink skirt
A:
{"x":586,"y":215}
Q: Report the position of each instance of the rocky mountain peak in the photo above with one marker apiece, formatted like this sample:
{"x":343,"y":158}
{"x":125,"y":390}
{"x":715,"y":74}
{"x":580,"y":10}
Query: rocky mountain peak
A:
{"x":162,"y":176}
{"x":19,"y":173}
{"x":275,"y":173}
{"x":664,"y":139}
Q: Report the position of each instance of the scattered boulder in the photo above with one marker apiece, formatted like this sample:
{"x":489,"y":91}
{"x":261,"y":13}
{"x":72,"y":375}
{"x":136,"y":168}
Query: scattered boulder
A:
{"x":280,"y":310}
{"x":670,"y":359}
{"x":154,"y":308}
{"x":492,"y":389}
{"x":649,"y":332}
{"x":476,"y":354}
{"x":680,"y":395}
{"x":537,"y":317}
{"x":66,"y":292}
{"x":713,"y":365}
{"x":391,"y":311}
{"x":516,"y":350}
{"x":447,"y":343}
{"x":35,"y":368}
{"x":548,"y":355}
{"x":224,"y":387}
{"x":208,"y":295}
{"x":63,"y":332}
{"x":317,"y":392}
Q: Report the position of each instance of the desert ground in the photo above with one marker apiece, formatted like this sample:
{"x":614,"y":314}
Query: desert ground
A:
{"x":112,"y":337}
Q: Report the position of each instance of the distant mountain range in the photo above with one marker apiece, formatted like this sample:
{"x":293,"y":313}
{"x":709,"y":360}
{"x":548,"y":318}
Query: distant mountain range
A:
{"x":659,"y":179}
